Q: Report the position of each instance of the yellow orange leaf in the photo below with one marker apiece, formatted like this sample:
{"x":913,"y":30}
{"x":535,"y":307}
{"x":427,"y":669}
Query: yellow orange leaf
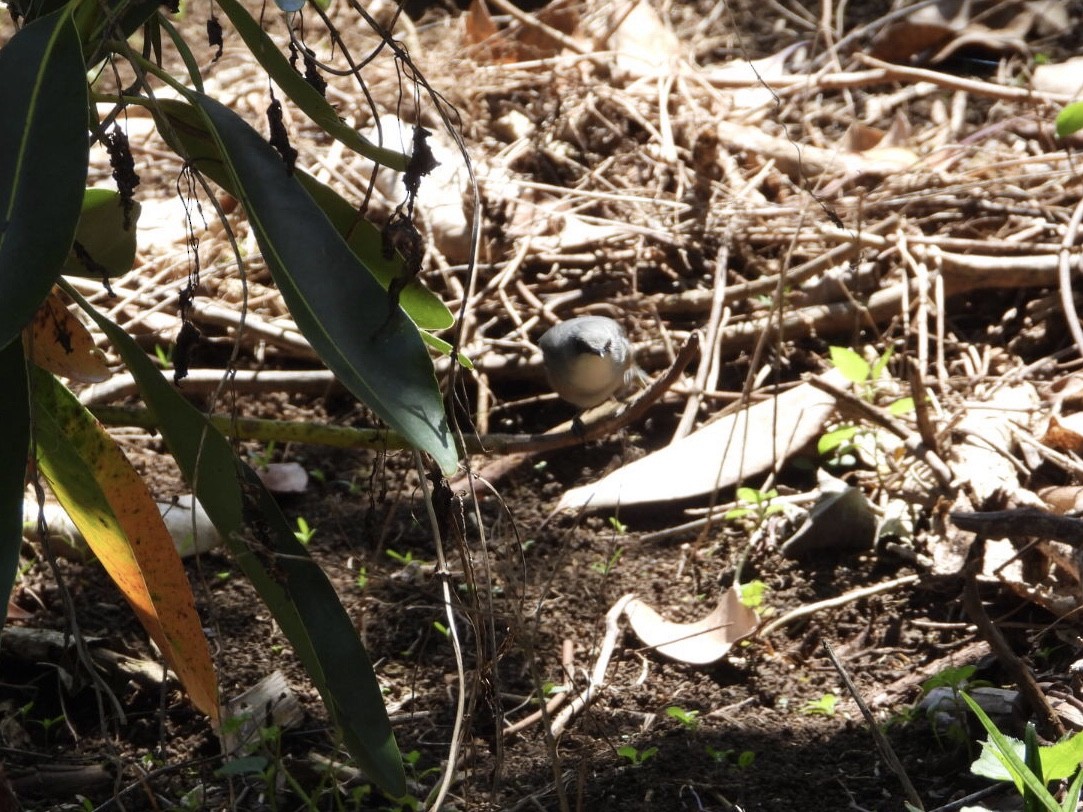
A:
{"x":60,"y":343}
{"x":110,"y":504}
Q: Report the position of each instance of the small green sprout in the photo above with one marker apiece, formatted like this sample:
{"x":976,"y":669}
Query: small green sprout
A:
{"x":824,"y":706}
{"x":635,"y":755}
{"x":686,"y":717}
{"x":606,"y":567}
{"x":304,"y":533}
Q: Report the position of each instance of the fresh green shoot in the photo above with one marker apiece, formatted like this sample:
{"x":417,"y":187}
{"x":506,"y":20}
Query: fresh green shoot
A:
{"x":304,"y":533}
{"x":164,"y":356}
{"x":604,"y":568}
{"x":686,"y":717}
{"x":405,"y":560}
{"x":636,"y":756}
{"x":617,"y":526}
{"x":362,"y":577}
{"x":755,"y":503}
{"x":1030,"y":766}
{"x":824,"y":706}
{"x":955,"y":677}
{"x":753,"y":594}
{"x":318,"y":475}
{"x":742,"y":760}
{"x":261,"y":459}
{"x":440,"y":627}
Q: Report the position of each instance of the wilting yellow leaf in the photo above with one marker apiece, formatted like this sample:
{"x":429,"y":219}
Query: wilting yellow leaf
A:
{"x":60,"y":343}
{"x":110,"y":504}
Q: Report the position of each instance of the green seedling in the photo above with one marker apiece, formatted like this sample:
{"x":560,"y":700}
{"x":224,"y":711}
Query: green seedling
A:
{"x":362,"y":577}
{"x":619,"y":527}
{"x":304,"y":533}
{"x":824,"y":706}
{"x":742,"y":760}
{"x":164,"y":356}
{"x":405,"y":560}
{"x":635,"y":755}
{"x":440,"y":627}
{"x":955,"y":677}
{"x":753,"y":594}
{"x":606,"y":567}
{"x":263,"y":458}
{"x":755,"y":503}
{"x":1030,"y":766}
{"x":690,"y":719}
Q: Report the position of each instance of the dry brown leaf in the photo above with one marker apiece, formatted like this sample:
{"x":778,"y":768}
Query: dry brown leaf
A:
{"x":1065,"y":434}
{"x":937,"y":31}
{"x":1063,"y":498}
{"x":699,"y":643}
{"x":492,"y":45}
{"x":60,"y":343}
{"x":730,"y":450}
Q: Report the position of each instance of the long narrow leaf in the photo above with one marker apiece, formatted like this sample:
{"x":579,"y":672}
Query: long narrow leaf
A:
{"x":1009,"y":757}
{"x":14,"y":446}
{"x":295,"y":589}
{"x":304,"y":95}
{"x":109,"y":503}
{"x":183,"y":127}
{"x":376,"y":352}
{"x":43,"y":162}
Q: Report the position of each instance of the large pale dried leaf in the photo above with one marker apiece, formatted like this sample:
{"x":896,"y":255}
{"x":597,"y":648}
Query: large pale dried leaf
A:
{"x":645,"y":45}
{"x":704,"y":641}
{"x":982,"y":457}
{"x":758,"y":74}
{"x":1062,"y":77}
{"x":734,"y":449}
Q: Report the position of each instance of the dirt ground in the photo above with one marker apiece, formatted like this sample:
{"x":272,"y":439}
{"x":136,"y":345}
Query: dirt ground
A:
{"x":772,"y":725}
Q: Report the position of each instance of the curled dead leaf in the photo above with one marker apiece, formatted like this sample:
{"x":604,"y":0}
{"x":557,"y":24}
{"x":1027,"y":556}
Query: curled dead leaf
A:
{"x":699,"y":643}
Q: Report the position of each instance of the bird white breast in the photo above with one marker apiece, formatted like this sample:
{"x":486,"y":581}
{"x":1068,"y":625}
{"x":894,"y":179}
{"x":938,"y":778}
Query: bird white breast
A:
{"x":591,"y":379}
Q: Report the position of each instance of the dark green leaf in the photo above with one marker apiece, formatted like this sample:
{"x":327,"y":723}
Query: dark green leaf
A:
{"x":183,"y":127}
{"x":43,"y":162}
{"x":301,"y":598}
{"x":14,"y":447}
{"x":373,"y":348}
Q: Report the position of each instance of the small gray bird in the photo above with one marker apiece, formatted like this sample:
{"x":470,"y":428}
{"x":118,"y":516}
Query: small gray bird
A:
{"x":588,"y":359}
